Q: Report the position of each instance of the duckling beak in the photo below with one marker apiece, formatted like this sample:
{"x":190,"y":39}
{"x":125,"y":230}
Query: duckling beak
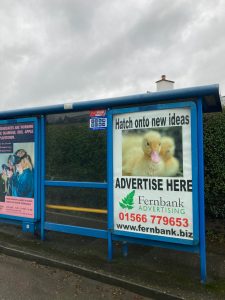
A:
{"x":155,"y":157}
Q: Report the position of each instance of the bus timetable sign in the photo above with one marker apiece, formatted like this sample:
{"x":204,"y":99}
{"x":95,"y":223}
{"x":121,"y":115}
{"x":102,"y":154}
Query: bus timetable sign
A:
{"x":98,"y":120}
{"x":155,"y":173}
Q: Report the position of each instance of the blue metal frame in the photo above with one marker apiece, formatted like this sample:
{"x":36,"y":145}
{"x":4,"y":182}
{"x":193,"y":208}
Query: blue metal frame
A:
{"x":171,"y":95}
{"x":36,"y":170}
{"x":192,"y":106}
{"x":147,"y":242}
{"x":42,"y":181}
{"x":38,"y":153}
{"x":92,"y":232}
{"x":94,"y":185}
{"x":201,"y":193}
{"x":109,"y":180}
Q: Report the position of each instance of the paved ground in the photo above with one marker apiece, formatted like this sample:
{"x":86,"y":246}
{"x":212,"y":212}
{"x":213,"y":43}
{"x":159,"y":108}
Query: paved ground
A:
{"x":21,"y":279}
{"x":149,"y":271}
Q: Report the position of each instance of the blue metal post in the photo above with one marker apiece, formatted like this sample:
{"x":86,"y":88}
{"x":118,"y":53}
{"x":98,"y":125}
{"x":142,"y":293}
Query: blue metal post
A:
{"x":38,"y":167}
{"x":201,"y":193}
{"x":110,"y":184}
{"x":42,"y":159}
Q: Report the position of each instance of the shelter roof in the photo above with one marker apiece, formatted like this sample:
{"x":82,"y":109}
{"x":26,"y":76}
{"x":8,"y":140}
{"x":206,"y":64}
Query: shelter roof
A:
{"x":208,"y":93}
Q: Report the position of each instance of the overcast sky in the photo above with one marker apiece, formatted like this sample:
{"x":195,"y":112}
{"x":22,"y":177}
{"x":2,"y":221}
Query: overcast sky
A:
{"x":57,"y":51}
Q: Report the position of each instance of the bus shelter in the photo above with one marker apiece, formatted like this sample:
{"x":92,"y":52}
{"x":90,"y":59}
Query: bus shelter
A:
{"x":154,"y":168}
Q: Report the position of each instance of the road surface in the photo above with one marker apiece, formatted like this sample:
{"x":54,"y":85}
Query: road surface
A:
{"x":21,"y":279}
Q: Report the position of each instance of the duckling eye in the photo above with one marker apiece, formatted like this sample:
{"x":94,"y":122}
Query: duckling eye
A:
{"x":159,"y":144}
{"x":147,"y":143}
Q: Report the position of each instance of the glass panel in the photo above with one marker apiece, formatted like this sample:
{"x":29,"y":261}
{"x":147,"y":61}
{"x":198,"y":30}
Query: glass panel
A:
{"x":73,"y":151}
{"x":79,"y":198}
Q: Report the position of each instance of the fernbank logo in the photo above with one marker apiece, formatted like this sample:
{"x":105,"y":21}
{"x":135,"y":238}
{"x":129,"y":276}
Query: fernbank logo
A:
{"x":128,"y":201}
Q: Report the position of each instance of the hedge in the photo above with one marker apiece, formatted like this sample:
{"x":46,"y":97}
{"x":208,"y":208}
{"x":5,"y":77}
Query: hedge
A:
{"x":214,"y":155}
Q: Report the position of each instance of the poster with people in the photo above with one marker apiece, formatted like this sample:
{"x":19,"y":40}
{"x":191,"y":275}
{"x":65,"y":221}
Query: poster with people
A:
{"x":17,"y":169}
{"x":152,"y":173}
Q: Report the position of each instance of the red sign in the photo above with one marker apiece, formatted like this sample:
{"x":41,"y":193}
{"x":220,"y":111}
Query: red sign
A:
{"x":98,"y":113}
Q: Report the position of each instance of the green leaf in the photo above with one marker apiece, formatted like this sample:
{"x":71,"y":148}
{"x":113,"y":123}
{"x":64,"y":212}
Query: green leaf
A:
{"x":129,"y":206}
{"x":122,"y":205}
{"x":130,"y":198}
{"x":128,"y":201}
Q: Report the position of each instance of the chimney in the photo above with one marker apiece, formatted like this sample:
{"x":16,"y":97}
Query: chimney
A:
{"x":163,"y":84}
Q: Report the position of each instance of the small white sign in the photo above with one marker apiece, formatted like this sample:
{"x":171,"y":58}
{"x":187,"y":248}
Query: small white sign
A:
{"x":68,"y":106}
{"x":98,"y":123}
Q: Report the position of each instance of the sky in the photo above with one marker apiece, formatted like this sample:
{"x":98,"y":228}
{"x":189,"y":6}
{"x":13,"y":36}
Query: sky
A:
{"x":59,"y":51}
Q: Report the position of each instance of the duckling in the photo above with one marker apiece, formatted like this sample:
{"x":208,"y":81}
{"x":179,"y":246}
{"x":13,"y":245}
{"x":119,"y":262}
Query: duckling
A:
{"x":167,"y":154}
{"x":131,"y":141}
{"x":149,"y":162}
{"x":131,"y":151}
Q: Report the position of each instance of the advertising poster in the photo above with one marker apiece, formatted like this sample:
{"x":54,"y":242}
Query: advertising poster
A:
{"x":152,"y":173}
{"x":17,"y":169}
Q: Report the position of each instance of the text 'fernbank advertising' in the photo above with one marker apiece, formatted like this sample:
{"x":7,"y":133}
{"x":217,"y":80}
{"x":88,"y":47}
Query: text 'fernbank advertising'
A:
{"x":152,"y":173}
